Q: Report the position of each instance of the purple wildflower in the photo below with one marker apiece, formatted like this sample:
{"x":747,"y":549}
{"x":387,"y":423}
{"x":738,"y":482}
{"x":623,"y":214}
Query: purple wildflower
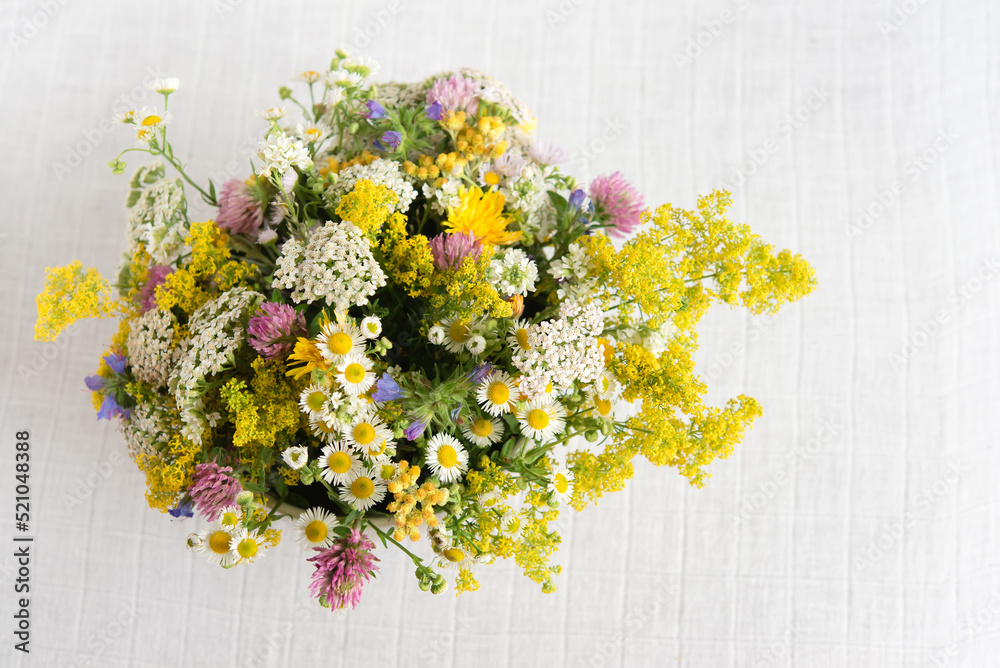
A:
{"x":577,"y":198}
{"x":450,"y":249}
{"x":374,"y":112}
{"x":116,"y":361}
{"x":95,"y":383}
{"x":435,"y":111}
{"x":213,"y":489}
{"x":342,"y":570}
{"x":456,"y":93}
{"x":389,"y":141}
{"x":615,"y":199}
{"x":415,"y":430}
{"x":273,"y":329}
{"x":182,"y":510}
{"x":480,"y":372}
{"x":110,"y":409}
{"x":240,"y":212}
{"x":146,"y":299}
{"x":387,"y":389}
{"x":547,"y":154}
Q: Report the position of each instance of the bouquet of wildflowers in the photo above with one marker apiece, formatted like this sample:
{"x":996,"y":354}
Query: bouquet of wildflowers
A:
{"x":407,"y":324}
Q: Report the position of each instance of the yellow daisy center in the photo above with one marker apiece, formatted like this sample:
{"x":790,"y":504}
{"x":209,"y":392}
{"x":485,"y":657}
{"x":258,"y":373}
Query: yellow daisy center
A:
{"x":151,"y":120}
{"x":498,"y":393}
{"x":362,"y":487}
{"x":377,"y":449}
{"x":458,"y":332}
{"x":325,"y":428}
{"x":609,"y":351}
{"x":316,"y":531}
{"x":513,"y":524}
{"x":218,"y":542}
{"x":522,"y":338}
{"x":229,"y":519}
{"x":538,"y":418}
{"x":491,"y":178}
{"x":315,"y":400}
{"x":354,"y":373}
{"x":454,"y":555}
{"x":447,"y":456}
{"x":340,"y":343}
{"x":387,"y":472}
{"x":561,"y":483}
{"x":603,"y":406}
{"x":482,"y":427}
{"x":247,"y":548}
{"x":364,"y":433}
{"x":339,"y":462}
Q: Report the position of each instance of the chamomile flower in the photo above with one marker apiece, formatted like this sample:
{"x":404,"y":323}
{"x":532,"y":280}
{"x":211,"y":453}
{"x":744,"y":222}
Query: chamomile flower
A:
{"x":313,"y":401}
{"x":338,"y":465}
{"x":367,"y":433}
{"x":454,"y":557}
{"x":378,"y":452}
{"x":312,"y":133}
{"x":606,"y":386}
{"x":149,"y":122}
{"x":496,"y":393}
{"x":371,"y":327}
{"x":273,"y":114}
{"x":561,"y":485}
{"x":602,"y":406}
{"x":456,"y":332}
{"x":446,"y":457}
{"x":355,"y":374}
{"x":327,"y":431}
{"x":309,"y":76}
{"x":517,"y":335}
{"x":315,"y":527}
{"x":364,"y":491}
{"x":541,"y":418}
{"x":296,"y":456}
{"x":229,"y":517}
{"x":436,"y":335}
{"x":214,"y":545}
{"x":476,"y":344}
{"x":482,"y":431}
{"x":165,"y":86}
{"x":345,"y":79}
{"x":511,"y":523}
{"x":246,"y":545}
{"x":337,"y":340}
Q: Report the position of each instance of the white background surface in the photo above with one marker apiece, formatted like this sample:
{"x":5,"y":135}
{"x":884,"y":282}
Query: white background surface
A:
{"x":857,"y":547}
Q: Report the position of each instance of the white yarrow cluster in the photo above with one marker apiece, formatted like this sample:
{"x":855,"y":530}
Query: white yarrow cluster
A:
{"x":279,"y":153}
{"x":380,"y":172}
{"x":157,"y":221}
{"x":514,"y":273}
{"x":149,"y":347}
{"x":148,"y":426}
{"x":336,"y":265}
{"x":570,"y":271}
{"x":563,"y":350}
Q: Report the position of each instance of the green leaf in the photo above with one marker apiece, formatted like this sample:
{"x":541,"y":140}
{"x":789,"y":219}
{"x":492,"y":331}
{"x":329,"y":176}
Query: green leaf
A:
{"x":297,"y":500}
{"x":254,"y":487}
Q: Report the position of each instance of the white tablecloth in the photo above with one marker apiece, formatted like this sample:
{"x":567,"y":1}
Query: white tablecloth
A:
{"x":854,"y":526}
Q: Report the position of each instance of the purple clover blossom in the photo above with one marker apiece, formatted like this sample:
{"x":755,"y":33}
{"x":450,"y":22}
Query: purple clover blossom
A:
{"x":389,"y":141}
{"x":616,"y":199}
{"x":375,"y":111}
{"x":213,"y":488}
{"x":182,"y":510}
{"x":450,"y":249}
{"x":455,"y":93}
{"x":480,"y":372}
{"x":387,"y":389}
{"x":415,"y":430}
{"x":240,"y":211}
{"x":342,"y":570}
{"x":273,"y":329}
{"x":146,"y":299}
{"x":435,"y":111}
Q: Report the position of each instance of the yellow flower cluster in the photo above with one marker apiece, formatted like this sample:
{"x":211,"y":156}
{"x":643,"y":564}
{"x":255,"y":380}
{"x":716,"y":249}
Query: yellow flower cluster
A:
{"x":407,"y":495}
{"x":482,"y":214}
{"x":306,"y":357}
{"x":368,"y":206}
{"x":434,"y":169}
{"x":71,"y":293}
{"x":469,"y":286}
{"x":265,"y":412}
{"x":168,"y":473}
{"x":483,"y":140}
{"x":407,"y":260}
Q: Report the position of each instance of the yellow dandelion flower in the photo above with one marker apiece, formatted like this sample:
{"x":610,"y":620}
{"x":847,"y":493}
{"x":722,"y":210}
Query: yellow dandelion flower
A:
{"x":482,"y":214}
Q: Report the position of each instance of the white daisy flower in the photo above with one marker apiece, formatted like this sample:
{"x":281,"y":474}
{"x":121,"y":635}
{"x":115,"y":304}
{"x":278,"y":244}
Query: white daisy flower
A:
{"x":344,"y":79}
{"x":339,"y":465}
{"x":510,"y":524}
{"x":367,"y":434}
{"x":364,"y":491}
{"x":165,"y":86}
{"x":149,"y":123}
{"x":126,"y":117}
{"x":327,"y":430}
{"x":541,"y":418}
{"x":482,"y":431}
{"x":446,"y":457}
{"x":296,"y":456}
{"x":246,"y":545}
{"x":312,"y":133}
{"x":334,"y":96}
{"x":517,"y":335}
{"x":355,"y":374}
{"x":214,"y":543}
{"x":229,"y":517}
{"x":309,"y":76}
{"x":561,"y":485}
{"x":456,"y":332}
{"x":336,"y":340}
{"x":436,"y":335}
{"x":606,"y":386}
{"x":602,"y":406}
{"x":313,"y":401}
{"x":476,"y":344}
{"x":496,"y":393}
{"x":273,"y":114}
{"x":454,"y":557}
{"x":363,"y":65}
{"x":315,"y":528}
{"x":371,"y":327}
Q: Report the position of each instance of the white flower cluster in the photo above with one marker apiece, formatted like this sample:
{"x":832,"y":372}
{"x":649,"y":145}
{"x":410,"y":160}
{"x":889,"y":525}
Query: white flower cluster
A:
{"x":280,"y":153}
{"x":571,"y":272}
{"x":514,"y":273}
{"x":157,"y":220}
{"x":336,"y":265}
{"x":444,"y":197}
{"x":218,"y":329}
{"x":380,"y":172}
{"x":149,"y":353}
{"x":494,"y":91}
{"x":563,"y":350}
{"x":148,"y":427}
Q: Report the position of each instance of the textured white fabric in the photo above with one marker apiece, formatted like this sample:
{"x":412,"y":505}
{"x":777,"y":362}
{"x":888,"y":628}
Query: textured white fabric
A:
{"x":855,"y":525}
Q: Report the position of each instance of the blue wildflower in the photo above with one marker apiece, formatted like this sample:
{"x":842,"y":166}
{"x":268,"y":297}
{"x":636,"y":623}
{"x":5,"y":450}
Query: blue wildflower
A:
{"x":110,"y":409}
{"x":116,"y":362}
{"x":435,"y":111}
{"x":480,"y":372}
{"x":182,"y":510}
{"x":374,"y":112}
{"x":390,"y":141}
{"x":387,"y":389}
{"x":415,"y":430}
